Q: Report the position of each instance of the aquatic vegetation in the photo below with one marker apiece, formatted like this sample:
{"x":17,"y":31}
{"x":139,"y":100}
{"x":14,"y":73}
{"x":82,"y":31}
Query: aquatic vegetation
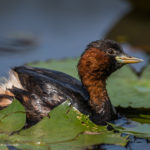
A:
{"x":66,"y":128}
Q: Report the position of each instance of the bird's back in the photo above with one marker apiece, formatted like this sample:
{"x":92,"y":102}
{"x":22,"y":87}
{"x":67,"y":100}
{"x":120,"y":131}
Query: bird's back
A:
{"x":44,"y":89}
{"x":56,"y":78}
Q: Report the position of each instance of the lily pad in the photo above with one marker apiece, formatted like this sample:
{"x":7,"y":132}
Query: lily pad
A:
{"x":128,"y":90}
{"x":66,"y":129}
{"x":68,"y":66}
{"x":12,"y":118}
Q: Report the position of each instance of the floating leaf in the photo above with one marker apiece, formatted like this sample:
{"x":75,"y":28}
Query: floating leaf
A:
{"x":65,"y":65}
{"x":127,"y":90}
{"x":12,"y":118}
{"x":66,"y":129}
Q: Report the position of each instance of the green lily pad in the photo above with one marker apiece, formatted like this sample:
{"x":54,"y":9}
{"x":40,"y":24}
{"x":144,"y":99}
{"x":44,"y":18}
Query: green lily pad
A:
{"x":65,"y":65}
{"x":66,"y":129}
{"x":12,"y":118}
{"x":127,"y":90}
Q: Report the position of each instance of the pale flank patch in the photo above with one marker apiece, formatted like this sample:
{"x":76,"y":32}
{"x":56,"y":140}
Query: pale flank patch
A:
{"x":12,"y":81}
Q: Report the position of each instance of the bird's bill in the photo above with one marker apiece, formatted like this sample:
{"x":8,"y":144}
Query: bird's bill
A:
{"x":127,"y":60}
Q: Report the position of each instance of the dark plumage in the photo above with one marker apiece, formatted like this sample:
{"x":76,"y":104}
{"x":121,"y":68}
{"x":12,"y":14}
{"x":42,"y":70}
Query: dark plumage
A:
{"x":40,"y":90}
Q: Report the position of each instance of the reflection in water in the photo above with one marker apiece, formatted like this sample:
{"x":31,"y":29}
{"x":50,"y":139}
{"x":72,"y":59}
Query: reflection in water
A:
{"x":62,"y":28}
{"x":17,"y":44}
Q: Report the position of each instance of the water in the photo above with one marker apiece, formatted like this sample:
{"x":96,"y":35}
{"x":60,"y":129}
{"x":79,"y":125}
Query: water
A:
{"x":58,"y":28}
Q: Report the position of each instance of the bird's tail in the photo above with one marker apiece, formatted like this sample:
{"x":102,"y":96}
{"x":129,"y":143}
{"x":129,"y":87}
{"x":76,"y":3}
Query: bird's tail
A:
{"x":6,"y":96}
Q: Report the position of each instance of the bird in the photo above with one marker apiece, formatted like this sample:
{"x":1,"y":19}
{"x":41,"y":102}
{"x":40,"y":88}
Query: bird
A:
{"x":41,"y":90}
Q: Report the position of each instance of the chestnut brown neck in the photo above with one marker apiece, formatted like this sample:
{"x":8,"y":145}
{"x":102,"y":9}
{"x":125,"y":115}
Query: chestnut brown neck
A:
{"x":93,"y":73}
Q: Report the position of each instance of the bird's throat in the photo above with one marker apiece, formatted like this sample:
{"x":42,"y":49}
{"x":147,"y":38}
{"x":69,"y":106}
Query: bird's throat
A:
{"x":100,"y":103}
{"x":98,"y":95}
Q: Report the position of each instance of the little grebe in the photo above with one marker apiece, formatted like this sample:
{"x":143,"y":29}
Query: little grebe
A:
{"x":40,"y":90}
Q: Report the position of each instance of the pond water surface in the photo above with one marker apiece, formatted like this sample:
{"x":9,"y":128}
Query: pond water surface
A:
{"x":54,"y":29}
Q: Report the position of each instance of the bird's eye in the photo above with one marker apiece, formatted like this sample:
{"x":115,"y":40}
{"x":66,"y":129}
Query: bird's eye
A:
{"x":111,"y":52}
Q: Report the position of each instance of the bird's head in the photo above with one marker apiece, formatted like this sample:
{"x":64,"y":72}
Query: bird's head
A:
{"x":101,"y":58}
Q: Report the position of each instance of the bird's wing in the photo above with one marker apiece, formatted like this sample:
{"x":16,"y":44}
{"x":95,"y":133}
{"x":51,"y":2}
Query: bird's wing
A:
{"x":55,"y":78}
{"x":52,"y":87}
